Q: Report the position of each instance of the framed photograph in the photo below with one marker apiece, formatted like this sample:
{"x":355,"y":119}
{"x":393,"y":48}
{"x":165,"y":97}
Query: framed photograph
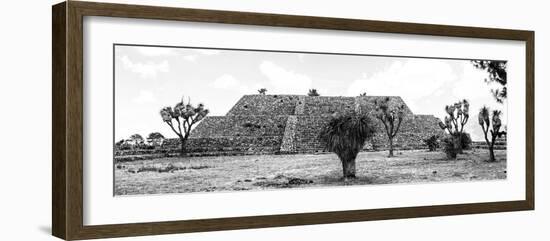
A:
{"x":171,"y":120}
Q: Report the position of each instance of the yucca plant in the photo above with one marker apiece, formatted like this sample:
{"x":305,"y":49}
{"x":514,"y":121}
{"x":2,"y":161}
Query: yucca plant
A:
{"x":345,"y":135}
{"x":485,"y":121}
{"x":182,"y":118}
{"x":457,"y":117}
{"x":391,"y":117}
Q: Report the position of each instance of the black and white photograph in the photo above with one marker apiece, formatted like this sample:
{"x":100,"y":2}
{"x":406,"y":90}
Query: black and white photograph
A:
{"x":190,"y":119}
{"x":271,"y":120}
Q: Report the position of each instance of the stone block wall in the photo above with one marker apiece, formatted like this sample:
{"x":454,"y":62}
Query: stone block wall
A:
{"x":327,"y":105}
{"x":365,"y":104}
{"x":307,"y":133}
{"x":213,"y":146}
{"x":241,"y":125}
{"x":268,"y":105}
{"x":291,"y":124}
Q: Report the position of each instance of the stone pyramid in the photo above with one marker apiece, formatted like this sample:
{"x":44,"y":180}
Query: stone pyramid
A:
{"x":273,"y":124}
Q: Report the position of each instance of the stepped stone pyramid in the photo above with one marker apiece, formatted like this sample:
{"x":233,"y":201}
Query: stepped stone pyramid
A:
{"x":270,"y":124}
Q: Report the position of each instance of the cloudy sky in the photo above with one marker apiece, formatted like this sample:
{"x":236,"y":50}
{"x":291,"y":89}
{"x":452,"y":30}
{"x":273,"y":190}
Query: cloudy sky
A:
{"x":149,"y":78}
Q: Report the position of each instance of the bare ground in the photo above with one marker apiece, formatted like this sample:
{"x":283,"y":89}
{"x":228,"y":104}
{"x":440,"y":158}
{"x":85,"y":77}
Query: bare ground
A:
{"x":258,"y":172}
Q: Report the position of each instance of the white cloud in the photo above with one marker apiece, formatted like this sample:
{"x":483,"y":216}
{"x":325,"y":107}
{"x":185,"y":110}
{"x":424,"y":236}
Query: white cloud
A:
{"x":144,"y":97}
{"x":284,"y":81}
{"x":412,"y":79}
{"x":228,"y":82}
{"x":472,"y":84}
{"x":155,"y":51}
{"x":145,"y":70}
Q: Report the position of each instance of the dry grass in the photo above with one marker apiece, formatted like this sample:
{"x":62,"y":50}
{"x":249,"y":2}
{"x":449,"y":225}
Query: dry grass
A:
{"x":235,"y":173}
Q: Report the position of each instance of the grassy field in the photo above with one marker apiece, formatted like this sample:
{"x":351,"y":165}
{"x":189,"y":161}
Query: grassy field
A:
{"x":257,"y":172}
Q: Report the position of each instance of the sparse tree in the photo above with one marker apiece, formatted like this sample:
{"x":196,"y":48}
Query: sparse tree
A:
{"x":182,"y":118}
{"x":345,"y":135}
{"x":391,"y":117}
{"x":262,"y":91}
{"x":137,"y":139}
{"x":155,"y":135}
{"x":155,"y":138}
{"x":313,"y":92}
{"x":490,"y":124}
{"x":497,"y":73}
{"x":363,"y":94}
{"x":457,"y":117}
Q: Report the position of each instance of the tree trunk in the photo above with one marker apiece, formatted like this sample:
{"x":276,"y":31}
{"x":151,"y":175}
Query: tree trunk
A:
{"x":491,"y":153}
{"x":457,"y":143}
{"x":391,"y":148}
{"x":348,"y":167}
{"x":182,"y":151}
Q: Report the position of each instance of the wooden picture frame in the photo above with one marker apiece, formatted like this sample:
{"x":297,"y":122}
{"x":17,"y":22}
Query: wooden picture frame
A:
{"x":67,"y":122}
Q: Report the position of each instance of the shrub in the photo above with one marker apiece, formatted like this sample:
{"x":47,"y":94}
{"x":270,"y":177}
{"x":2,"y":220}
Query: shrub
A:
{"x":465,"y":141}
{"x":449,"y":147}
{"x":145,"y":147}
{"x":124,"y":146}
{"x":432,"y":142}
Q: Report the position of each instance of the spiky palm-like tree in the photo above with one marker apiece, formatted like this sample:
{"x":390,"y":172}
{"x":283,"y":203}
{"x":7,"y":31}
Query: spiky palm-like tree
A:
{"x":391,"y":117}
{"x":345,"y":135}
{"x":182,"y":118}
{"x":457,"y":117}
{"x":485,"y":121}
{"x":262,"y":91}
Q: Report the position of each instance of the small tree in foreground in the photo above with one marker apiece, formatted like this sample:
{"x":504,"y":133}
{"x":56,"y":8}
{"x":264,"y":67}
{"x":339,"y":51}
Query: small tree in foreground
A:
{"x":182,"y":118}
{"x":485,"y":121}
{"x":313,"y":92}
{"x":346,"y":135}
{"x":391,"y":117}
{"x":457,"y":117}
